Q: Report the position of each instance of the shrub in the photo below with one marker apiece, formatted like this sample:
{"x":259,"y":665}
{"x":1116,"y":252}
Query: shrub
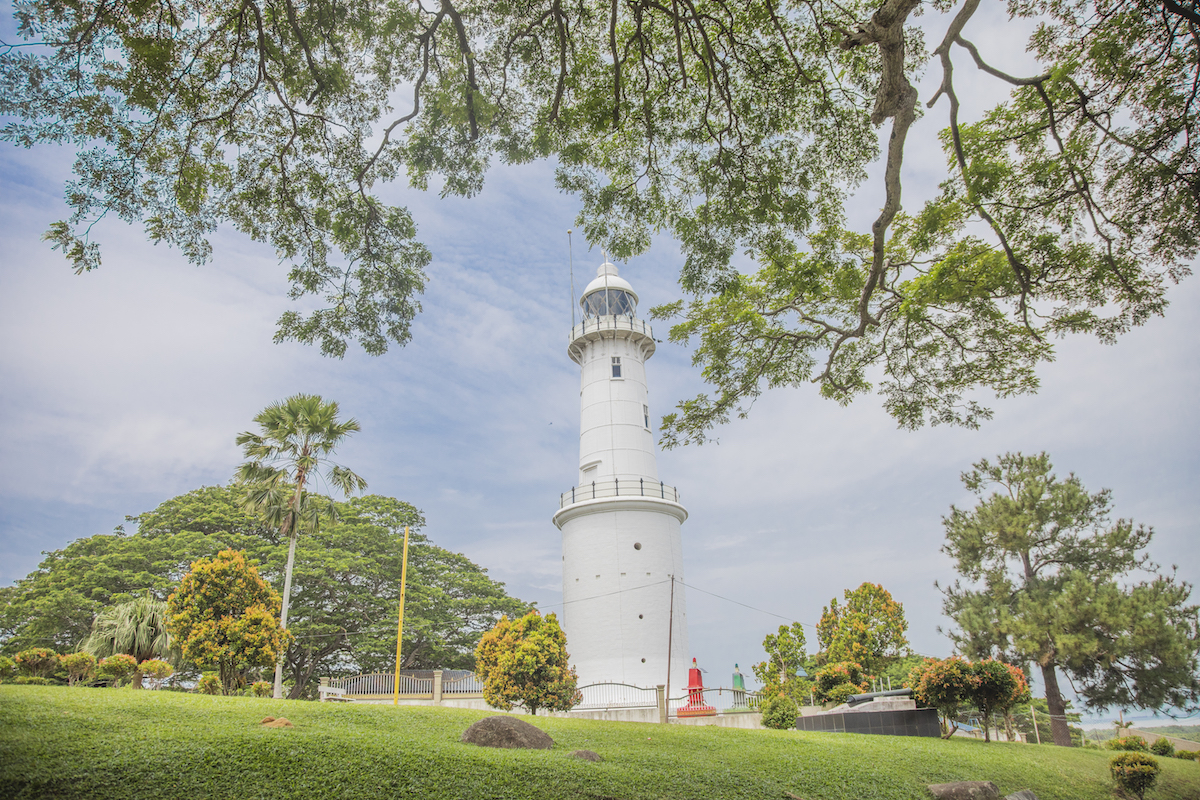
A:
{"x":32,"y":680}
{"x":261,"y":688}
{"x":526,"y":661}
{"x":79,"y":666}
{"x":836,"y":675}
{"x":1190,"y":755}
{"x":37,"y":661}
{"x":209,"y":683}
{"x":1134,"y":772}
{"x":116,"y":668}
{"x":1162,"y":747}
{"x":1131,"y":743}
{"x":839,"y":693}
{"x":156,"y":670}
{"x":779,"y":712}
{"x":8,"y":669}
{"x":944,"y":684}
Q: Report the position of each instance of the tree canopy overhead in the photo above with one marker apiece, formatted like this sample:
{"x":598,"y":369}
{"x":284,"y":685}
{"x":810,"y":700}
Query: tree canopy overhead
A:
{"x":739,"y":126}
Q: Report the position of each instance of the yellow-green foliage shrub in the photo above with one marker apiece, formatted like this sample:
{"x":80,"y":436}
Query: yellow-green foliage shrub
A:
{"x":835,"y":682}
{"x":116,"y":668}
{"x":779,"y":712}
{"x":1162,"y":747}
{"x":209,"y":683}
{"x":156,"y":670}
{"x":79,"y":666}
{"x":38,"y":662}
{"x":1134,"y":772}
{"x":1131,"y":743}
{"x":261,"y":688}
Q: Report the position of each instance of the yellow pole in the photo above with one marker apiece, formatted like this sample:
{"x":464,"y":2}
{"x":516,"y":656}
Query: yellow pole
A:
{"x":400,"y":625}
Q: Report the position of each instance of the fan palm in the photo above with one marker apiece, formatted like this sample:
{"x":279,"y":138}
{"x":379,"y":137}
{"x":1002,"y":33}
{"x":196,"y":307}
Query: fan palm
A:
{"x":136,"y":627}
{"x":297,"y":438}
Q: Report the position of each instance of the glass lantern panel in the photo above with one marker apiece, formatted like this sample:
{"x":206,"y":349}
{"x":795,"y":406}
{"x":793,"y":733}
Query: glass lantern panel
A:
{"x":609,"y":302}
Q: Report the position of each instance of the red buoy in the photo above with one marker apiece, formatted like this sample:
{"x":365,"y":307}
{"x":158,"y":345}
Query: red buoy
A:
{"x":696,"y":706}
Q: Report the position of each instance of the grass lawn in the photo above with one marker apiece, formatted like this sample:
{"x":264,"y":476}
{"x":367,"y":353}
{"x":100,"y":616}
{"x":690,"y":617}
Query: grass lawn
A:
{"x":57,"y":742}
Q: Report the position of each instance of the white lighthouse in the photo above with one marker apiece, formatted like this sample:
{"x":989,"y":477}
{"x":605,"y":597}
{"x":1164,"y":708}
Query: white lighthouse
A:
{"x":623,"y":602}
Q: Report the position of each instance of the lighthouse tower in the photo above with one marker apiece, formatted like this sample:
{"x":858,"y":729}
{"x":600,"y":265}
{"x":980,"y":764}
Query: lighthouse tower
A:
{"x":623,"y":602}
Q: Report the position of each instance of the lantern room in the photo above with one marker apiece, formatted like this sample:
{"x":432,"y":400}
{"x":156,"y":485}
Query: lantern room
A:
{"x":609,"y":295}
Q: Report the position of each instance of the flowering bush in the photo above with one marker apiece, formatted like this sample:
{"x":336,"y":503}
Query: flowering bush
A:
{"x":116,"y":668}
{"x":1133,"y":743}
{"x":261,"y":688}
{"x":1134,"y":772}
{"x":79,"y":666}
{"x":209,"y":683}
{"x":836,"y":682}
{"x":40,"y":662}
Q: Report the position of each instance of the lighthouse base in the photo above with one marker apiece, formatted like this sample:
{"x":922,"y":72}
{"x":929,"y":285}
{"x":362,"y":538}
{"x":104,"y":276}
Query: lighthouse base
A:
{"x":624,"y":612}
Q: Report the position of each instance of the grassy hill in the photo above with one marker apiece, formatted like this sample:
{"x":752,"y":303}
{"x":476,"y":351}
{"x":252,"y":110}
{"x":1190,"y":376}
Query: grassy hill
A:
{"x":57,"y":742}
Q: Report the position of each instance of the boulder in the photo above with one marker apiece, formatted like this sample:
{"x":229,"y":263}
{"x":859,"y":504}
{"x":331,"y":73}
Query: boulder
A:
{"x":1024,"y":794}
{"x":587,"y":755}
{"x":282,"y":722}
{"x":965,"y":790}
{"x":507,"y":732}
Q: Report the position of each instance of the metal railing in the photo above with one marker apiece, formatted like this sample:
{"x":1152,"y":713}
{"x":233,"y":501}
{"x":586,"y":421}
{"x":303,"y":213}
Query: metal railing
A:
{"x":611,"y":323}
{"x":719,"y":698}
{"x":617,"y":695}
{"x":384,"y":683}
{"x":461,"y":681}
{"x":618,"y":488}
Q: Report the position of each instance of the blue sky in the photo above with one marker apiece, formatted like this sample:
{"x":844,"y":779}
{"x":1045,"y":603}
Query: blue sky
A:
{"x":125,"y":387}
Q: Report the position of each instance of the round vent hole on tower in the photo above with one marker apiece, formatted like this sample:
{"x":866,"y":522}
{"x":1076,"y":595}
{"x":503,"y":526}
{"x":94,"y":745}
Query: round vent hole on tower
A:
{"x":637,"y":545}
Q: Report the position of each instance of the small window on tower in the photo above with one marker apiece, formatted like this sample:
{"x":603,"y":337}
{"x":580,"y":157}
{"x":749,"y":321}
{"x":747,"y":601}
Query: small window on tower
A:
{"x":646,"y":415}
{"x":616,"y":365}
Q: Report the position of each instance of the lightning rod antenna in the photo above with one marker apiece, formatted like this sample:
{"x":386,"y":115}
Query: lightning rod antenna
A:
{"x":571,"y":257}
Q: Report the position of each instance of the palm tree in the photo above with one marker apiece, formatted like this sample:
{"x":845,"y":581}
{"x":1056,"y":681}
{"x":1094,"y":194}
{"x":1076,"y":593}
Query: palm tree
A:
{"x":297,"y":438}
{"x":136,"y":627}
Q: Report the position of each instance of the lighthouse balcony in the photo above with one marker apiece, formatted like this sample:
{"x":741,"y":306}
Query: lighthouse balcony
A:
{"x":610,"y":326}
{"x":616,"y":487}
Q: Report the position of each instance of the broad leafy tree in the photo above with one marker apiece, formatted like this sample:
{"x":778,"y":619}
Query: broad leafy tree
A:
{"x":524,"y":661}
{"x":869,"y":629}
{"x":944,"y":684}
{"x":1049,"y":578}
{"x":739,"y":127}
{"x":225,"y":616}
{"x":347,"y":576}
{"x":785,"y":656}
{"x":296,"y":440}
{"x":995,"y":687}
{"x":136,"y":627}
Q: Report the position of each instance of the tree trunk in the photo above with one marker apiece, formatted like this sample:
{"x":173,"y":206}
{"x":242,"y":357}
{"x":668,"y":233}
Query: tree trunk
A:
{"x":1058,"y":709}
{"x":136,"y":681}
{"x":283,"y":614}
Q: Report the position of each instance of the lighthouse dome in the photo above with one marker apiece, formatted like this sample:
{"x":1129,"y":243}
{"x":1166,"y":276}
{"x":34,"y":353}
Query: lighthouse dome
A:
{"x":608,"y":295}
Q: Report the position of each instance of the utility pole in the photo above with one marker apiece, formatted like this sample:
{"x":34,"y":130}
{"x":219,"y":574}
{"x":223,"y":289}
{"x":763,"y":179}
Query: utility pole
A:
{"x":400,"y":625}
